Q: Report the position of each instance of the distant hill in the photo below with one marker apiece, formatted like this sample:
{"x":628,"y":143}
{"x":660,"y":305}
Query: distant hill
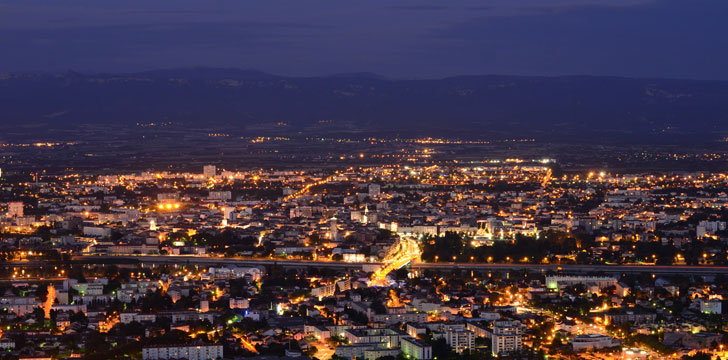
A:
{"x":568,"y":107}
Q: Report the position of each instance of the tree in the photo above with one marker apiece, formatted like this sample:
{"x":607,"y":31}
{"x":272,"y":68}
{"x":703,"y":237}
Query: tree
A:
{"x":378,"y":307}
{"x":698,"y":356}
{"x":39,"y":315}
{"x":133,"y":328}
{"x":79,"y":317}
{"x":401,"y":273}
{"x":441,"y":350}
{"x":42,"y":292}
{"x":311,"y":351}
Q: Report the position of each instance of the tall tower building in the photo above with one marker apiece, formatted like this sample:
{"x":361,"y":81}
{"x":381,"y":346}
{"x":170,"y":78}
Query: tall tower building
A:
{"x":15,"y":209}
{"x":334,"y":229}
{"x":227,"y":212}
{"x":365,"y":218}
{"x":506,"y":337}
{"x":209,"y":171}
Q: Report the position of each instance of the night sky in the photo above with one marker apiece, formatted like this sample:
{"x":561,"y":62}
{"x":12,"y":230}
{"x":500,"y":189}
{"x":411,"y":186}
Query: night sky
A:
{"x":400,"y":39}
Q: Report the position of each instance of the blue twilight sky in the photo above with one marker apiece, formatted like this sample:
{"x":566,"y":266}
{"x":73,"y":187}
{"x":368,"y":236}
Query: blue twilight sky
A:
{"x":403,"y":39}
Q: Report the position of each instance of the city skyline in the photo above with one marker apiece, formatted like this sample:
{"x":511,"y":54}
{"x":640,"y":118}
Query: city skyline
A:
{"x":373,"y":180}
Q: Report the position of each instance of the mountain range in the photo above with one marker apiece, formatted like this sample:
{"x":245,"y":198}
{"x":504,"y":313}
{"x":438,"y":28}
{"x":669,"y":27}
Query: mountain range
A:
{"x":583,"y":108}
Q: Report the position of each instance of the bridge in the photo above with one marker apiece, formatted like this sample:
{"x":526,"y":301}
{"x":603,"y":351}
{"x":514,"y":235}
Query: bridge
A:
{"x":578,"y":269}
{"x":408,"y":251}
{"x":185,"y":260}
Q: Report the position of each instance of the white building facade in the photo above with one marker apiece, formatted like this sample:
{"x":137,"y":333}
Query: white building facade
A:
{"x":189,"y":352}
{"x":507,"y":337}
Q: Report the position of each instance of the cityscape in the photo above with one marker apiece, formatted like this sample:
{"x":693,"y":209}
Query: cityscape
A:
{"x":371,"y":180}
{"x":494,"y":259}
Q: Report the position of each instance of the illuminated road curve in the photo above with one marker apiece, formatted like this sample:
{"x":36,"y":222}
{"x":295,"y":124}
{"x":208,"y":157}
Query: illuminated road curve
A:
{"x":407,"y":252}
{"x":210,"y":261}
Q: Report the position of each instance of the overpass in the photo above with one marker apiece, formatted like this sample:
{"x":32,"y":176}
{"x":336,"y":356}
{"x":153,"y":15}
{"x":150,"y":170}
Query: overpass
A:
{"x":578,"y":269}
{"x":407,"y":252}
{"x":340,"y":265}
{"x":184,"y":260}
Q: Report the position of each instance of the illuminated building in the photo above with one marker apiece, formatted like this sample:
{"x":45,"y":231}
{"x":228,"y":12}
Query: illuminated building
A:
{"x":556,"y":282}
{"x":415,"y":349}
{"x":219,"y":195}
{"x":209,"y":171}
{"x":592,"y":341}
{"x":710,"y":306}
{"x":15,"y":209}
{"x":333,"y":229}
{"x":239,"y":303}
{"x":191,"y":352}
{"x":506,"y":337}
{"x":460,"y":340}
{"x":374,"y":190}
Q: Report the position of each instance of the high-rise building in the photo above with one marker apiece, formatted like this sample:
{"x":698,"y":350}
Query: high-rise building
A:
{"x":506,"y":337}
{"x":209,"y":171}
{"x":374,"y":190}
{"x":220,"y":195}
{"x":239,"y":303}
{"x":415,"y":349}
{"x":714,"y":306}
{"x":460,"y":340}
{"x":15,"y":209}
{"x":334,"y":229}
{"x":228,"y":212}
{"x":192,"y":352}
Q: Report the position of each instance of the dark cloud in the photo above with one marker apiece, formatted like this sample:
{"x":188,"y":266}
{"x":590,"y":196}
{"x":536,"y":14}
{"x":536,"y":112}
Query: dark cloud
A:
{"x":480,"y":8}
{"x":656,"y":38}
{"x":418,"y":7}
{"x":668,"y":39}
{"x":139,"y":47}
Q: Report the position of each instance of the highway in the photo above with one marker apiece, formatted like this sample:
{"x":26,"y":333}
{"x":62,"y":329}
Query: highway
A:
{"x":571,"y":268}
{"x":408,"y":252}
{"x":300,"y":264}
{"x":218,"y":261}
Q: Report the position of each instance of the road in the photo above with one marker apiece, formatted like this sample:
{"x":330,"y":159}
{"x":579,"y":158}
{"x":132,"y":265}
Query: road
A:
{"x":409,"y":251}
{"x":214,"y":261}
{"x":324,"y":351}
{"x":303,"y":191}
{"x":293,"y":264}
{"x":614,"y":269}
